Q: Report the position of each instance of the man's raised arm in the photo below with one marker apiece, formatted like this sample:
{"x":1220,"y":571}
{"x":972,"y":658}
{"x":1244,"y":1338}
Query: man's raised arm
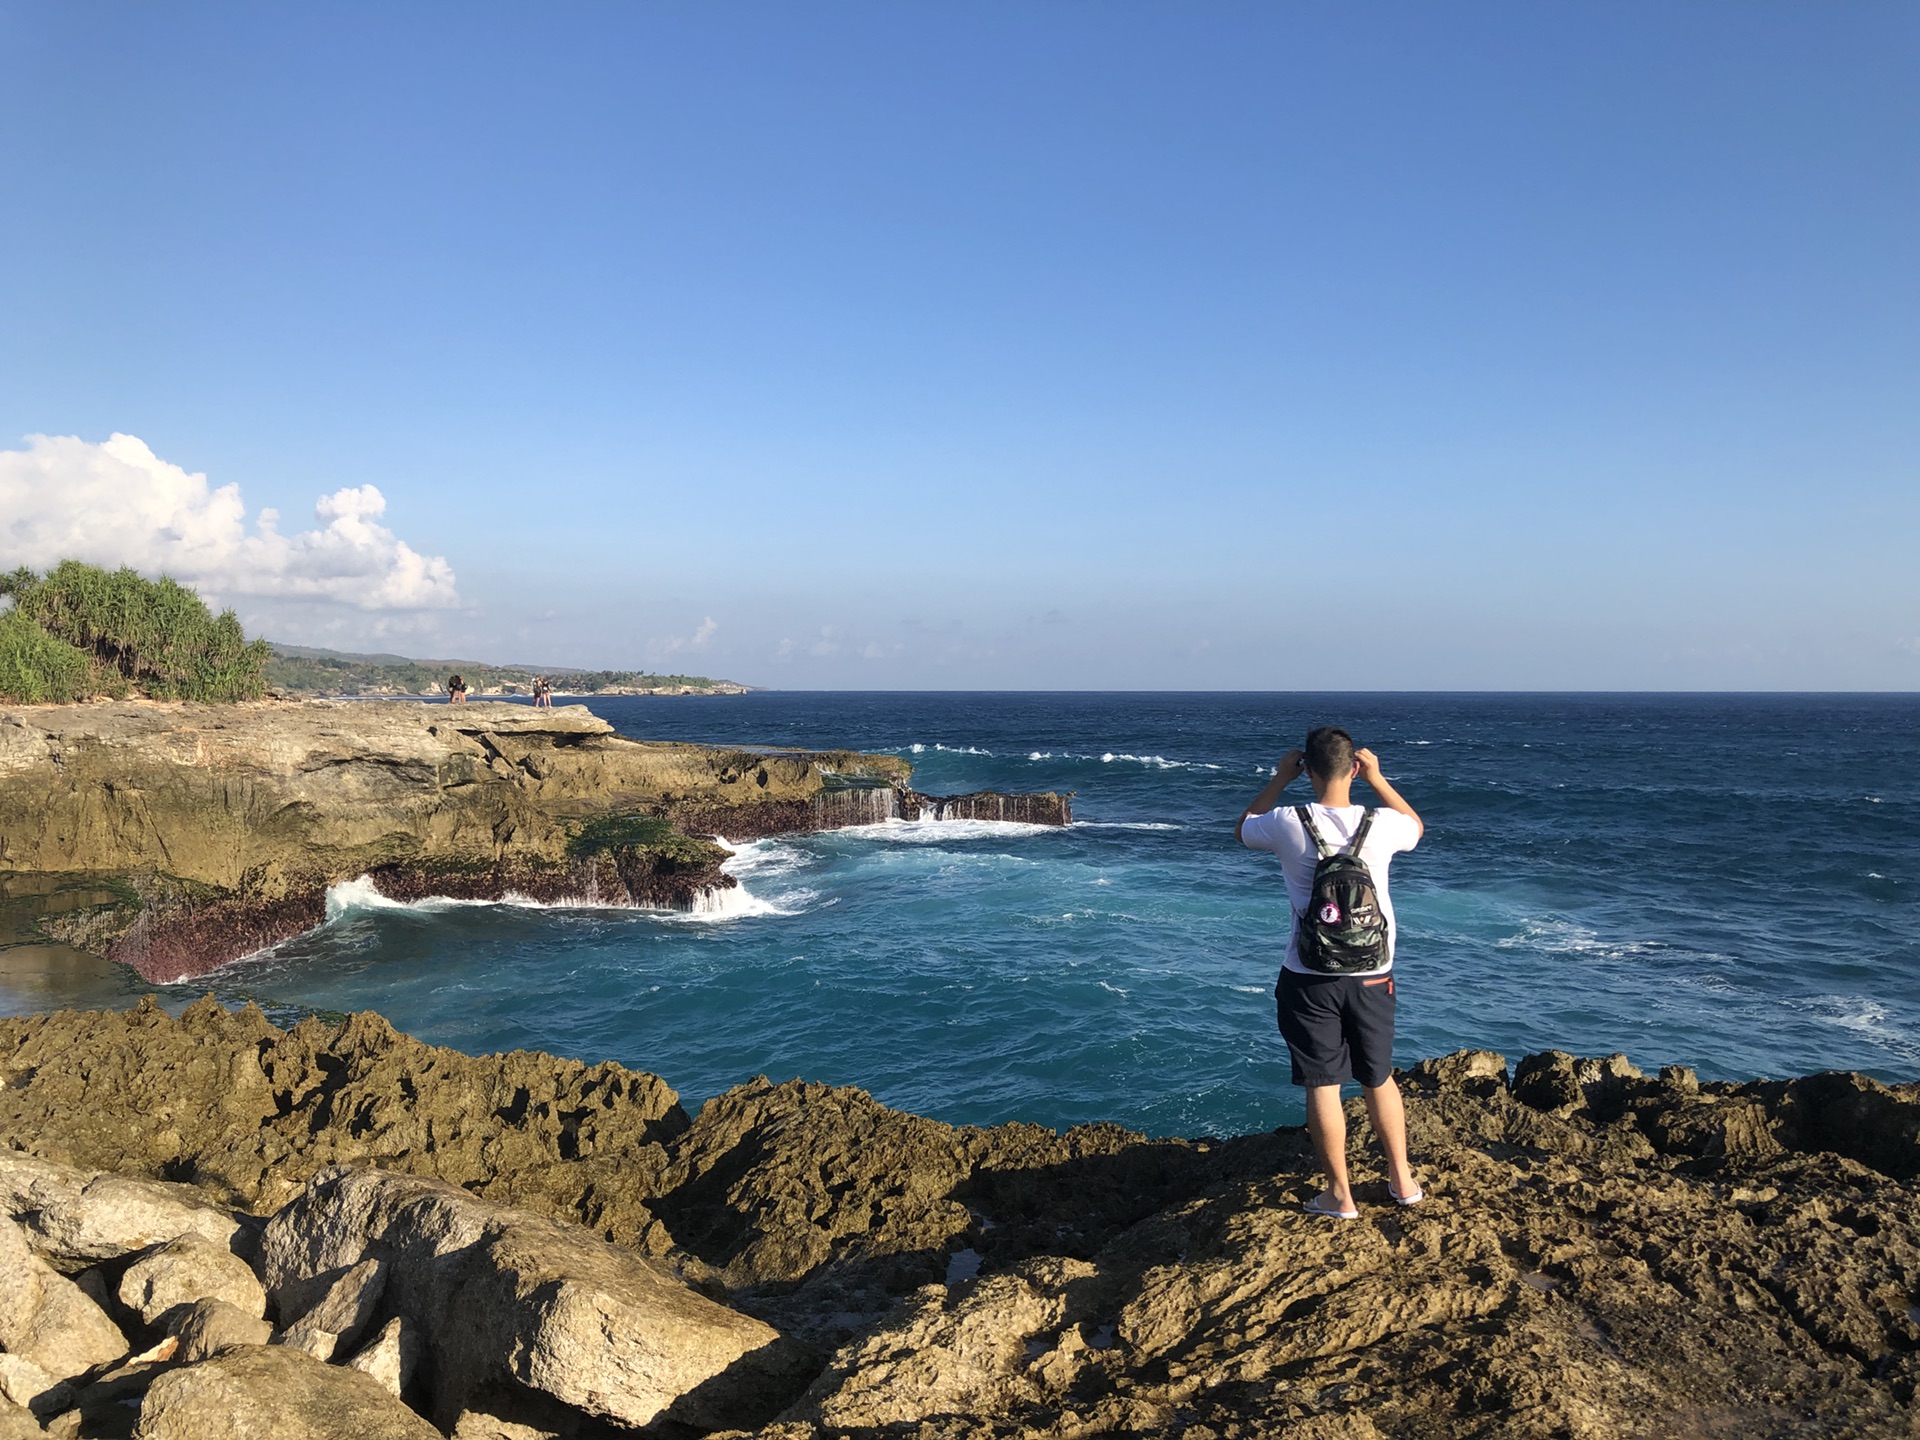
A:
{"x":1390,"y":797}
{"x":1284,"y":774}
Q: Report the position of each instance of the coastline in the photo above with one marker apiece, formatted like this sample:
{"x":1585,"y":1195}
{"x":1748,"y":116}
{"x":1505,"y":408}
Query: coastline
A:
{"x":178,"y":838}
{"x":1603,"y":1252}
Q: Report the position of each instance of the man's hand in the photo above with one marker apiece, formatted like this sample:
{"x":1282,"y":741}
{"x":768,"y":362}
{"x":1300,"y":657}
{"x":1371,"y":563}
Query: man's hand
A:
{"x":1368,"y":764}
{"x":1286,"y":770}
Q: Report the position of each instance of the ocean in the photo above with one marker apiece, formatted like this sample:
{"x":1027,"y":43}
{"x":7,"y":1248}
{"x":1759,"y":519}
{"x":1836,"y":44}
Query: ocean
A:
{"x":1730,"y":882}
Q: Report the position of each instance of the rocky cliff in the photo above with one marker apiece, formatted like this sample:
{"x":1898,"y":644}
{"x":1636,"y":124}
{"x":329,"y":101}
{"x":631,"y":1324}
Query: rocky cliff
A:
{"x":521,"y":1246}
{"x":176,"y":838}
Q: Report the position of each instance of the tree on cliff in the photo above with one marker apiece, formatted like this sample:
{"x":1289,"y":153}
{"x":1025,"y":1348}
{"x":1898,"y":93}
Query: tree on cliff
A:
{"x":79,"y":630}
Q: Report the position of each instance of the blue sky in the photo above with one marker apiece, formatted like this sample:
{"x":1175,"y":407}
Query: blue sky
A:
{"x":1060,"y":345}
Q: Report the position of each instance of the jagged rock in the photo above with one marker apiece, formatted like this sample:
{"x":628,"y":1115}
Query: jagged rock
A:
{"x":69,"y":1334}
{"x":1547,"y":1081}
{"x":1658,"y":1256}
{"x":25,"y":1384}
{"x":776,"y":1219}
{"x":949,"y":1355}
{"x":509,"y":1412}
{"x":1852,"y":1115}
{"x":482,"y":1425}
{"x":17,"y":1423}
{"x":503,"y":1294}
{"x":188,"y":1269}
{"x":251,"y":1392}
{"x":19,"y":1282}
{"x":141,"y":1091}
{"x":79,"y":1216}
{"x":207,"y":1327}
{"x":46,"y":1318}
{"x":333,"y":1321}
{"x":95,"y":1284}
{"x":392,"y":1356}
{"x":1479,"y":1071}
{"x":107,"y":1403}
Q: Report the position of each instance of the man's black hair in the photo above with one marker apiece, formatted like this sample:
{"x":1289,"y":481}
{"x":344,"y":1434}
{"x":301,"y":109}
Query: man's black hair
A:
{"x":1329,"y":753}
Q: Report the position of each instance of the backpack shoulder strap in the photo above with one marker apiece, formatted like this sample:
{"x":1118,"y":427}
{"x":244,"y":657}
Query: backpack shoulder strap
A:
{"x":1305,"y":812}
{"x":1360,"y":835}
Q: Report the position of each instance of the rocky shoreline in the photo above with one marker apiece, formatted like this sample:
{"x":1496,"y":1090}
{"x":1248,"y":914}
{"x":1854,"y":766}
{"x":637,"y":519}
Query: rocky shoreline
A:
{"x":222,"y":1228}
{"x":177,"y":838}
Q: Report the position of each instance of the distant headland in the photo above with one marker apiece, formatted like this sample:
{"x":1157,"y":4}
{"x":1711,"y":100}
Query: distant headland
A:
{"x":303,"y":670}
{"x":80,"y":633}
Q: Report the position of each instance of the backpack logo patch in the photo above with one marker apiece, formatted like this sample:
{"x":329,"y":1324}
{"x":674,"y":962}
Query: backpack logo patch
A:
{"x":1330,"y":914}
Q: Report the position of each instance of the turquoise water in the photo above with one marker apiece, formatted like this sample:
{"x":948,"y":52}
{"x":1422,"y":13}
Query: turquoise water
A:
{"x":1729,"y":882}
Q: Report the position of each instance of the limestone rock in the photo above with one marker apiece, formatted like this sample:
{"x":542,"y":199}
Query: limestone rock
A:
{"x":392,"y":1356}
{"x":508,"y":1411}
{"x":225,"y":824}
{"x":95,"y":1284}
{"x":17,"y":1423}
{"x":69,"y":1334}
{"x":1464,"y":1069}
{"x":948,"y":1355}
{"x":25,"y":1384}
{"x":47,"y":1319}
{"x":256,"y":1391}
{"x":105,"y":1401}
{"x":187,"y":1269}
{"x":207,"y":1327}
{"x":19,"y":1282}
{"x":499,"y":1293}
{"x":335,"y":1320}
{"x":484,"y":1425}
{"x":1548,"y":1081}
{"x":252,"y":1112}
{"x":80,"y":1216}
{"x":1657,"y":1256}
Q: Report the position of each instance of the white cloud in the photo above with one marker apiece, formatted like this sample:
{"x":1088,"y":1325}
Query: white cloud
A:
{"x":118,"y":503}
{"x":696,"y":641}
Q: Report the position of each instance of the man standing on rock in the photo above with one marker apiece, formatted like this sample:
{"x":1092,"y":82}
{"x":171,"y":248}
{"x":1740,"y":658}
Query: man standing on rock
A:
{"x":1335,"y":992}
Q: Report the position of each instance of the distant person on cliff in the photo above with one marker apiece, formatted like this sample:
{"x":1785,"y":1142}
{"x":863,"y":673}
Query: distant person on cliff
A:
{"x":542,"y":694}
{"x":1335,"y":993}
{"x":456,"y":691}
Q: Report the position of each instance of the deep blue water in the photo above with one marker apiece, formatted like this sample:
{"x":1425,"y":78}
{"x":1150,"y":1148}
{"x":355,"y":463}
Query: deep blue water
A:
{"x":1729,"y":882}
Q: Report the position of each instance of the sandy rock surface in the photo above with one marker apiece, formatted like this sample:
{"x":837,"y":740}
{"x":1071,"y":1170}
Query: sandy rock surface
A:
{"x":342,"y":1302}
{"x":45,"y":1318}
{"x":250,"y":1112}
{"x":77,"y":1216}
{"x":500,"y":1294}
{"x":252,"y":1393}
{"x":26,"y":1385}
{"x":208,"y":1326}
{"x":392,"y":1357}
{"x":1601,"y":1253}
{"x":187,"y":1269}
{"x":17,"y":1423}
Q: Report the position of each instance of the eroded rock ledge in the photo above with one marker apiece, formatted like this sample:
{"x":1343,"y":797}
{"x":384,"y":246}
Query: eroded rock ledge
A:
{"x":1602,"y":1253}
{"x":177,"y":838}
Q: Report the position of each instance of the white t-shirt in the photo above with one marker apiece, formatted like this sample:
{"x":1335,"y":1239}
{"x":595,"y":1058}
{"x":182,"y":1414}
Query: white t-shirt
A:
{"x":1279,"y":830}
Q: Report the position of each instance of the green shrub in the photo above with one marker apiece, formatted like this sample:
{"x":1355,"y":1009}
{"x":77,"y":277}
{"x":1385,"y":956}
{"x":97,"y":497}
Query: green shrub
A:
{"x":156,"y":635}
{"x":36,"y":669}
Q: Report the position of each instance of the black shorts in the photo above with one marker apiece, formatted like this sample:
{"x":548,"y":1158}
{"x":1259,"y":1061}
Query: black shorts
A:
{"x":1338,"y":1027}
